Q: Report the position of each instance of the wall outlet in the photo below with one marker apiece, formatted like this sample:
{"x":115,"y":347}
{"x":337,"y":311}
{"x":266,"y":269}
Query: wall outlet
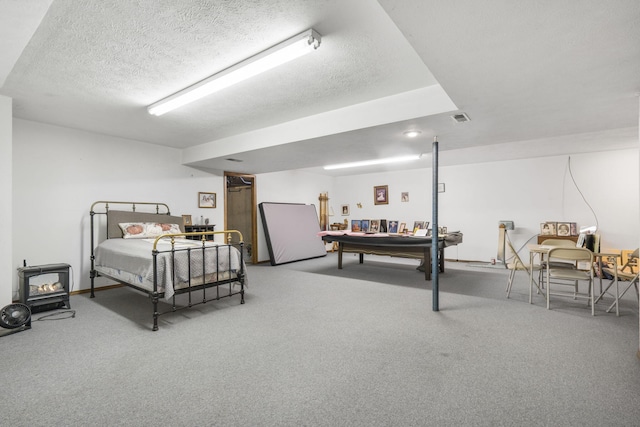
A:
{"x":508,"y":225}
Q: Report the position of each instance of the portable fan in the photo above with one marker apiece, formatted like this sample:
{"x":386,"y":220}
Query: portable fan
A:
{"x":15,"y":318}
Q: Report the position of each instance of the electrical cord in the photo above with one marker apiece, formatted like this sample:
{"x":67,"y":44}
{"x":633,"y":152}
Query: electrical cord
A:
{"x":521,"y":247}
{"x":580,"y":192}
{"x":47,"y":317}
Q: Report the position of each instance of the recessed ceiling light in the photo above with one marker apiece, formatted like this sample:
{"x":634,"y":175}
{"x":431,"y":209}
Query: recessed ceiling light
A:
{"x":411,"y":133}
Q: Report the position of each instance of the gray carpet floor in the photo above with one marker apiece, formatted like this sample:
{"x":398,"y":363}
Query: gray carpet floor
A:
{"x":318,"y":346}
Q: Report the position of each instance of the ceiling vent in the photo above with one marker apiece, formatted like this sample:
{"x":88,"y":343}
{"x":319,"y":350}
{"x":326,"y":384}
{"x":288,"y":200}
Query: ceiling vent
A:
{"x":460,"y":118}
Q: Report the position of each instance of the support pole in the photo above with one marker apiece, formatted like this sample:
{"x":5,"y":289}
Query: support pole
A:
{"x":435,"y":238}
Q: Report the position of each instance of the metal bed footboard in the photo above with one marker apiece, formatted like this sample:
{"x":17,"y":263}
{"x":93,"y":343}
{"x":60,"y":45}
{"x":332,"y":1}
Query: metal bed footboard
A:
{"x":219,"y":250}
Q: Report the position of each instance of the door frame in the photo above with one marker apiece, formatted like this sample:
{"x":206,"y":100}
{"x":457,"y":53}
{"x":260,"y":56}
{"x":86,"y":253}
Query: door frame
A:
{"x":254,"y":211}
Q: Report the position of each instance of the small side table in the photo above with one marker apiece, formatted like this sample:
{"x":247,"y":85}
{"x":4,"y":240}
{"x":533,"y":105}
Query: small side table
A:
{"x":200,"y":229}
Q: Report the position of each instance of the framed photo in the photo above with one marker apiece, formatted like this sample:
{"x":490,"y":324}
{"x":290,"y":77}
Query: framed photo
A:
{"x":418,"y":225}
{"x":393,"y":226}
{"x":355,"y":225}
{"x":383,"y":226}
{"x":186,"y":220}
{"x":548,"y":229}
{"x":381,"y":195}
{"x":206,"y":200}
{"x":563,"y":229}
{"x":402,"y":228}
{"x":404,"y":196}
{"x":345,"y":210}
{"x":364,"y":225}
{"x":574,"y":228}
{"x":374,"y":226}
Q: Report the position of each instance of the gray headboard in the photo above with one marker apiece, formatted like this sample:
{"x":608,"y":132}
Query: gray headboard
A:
{"x":116,"y":217}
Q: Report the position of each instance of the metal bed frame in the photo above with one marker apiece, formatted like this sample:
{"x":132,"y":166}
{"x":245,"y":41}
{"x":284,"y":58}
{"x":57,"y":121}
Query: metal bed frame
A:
{"x":155,"y":295}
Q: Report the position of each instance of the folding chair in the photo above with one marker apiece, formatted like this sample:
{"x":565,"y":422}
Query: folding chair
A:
{"x":514,"y":264}
{"x":628,"y":273}
{"x":583,"y":259}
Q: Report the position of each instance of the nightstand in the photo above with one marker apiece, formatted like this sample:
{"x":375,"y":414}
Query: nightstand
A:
{"x":199,"y":229}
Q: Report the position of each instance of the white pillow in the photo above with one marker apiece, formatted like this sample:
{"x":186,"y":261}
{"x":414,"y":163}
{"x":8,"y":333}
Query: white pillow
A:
{"x":140,"y":230}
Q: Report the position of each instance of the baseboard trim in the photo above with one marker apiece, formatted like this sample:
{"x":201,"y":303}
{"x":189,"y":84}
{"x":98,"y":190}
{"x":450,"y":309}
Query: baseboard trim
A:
{"x":101,"y":288}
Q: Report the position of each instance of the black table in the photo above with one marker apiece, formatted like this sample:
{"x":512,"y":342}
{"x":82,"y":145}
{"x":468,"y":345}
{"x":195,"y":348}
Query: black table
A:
{"x":400,"y":246}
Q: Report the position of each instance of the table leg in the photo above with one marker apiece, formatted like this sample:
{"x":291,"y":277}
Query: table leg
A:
{"x":531,"y":256}
{"x":361,"y":258}
{"x":427,"y":263}
{"x":340,"y":248}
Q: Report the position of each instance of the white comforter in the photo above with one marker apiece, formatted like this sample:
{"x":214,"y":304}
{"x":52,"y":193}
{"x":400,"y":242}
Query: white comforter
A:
{"x":131,"y":260}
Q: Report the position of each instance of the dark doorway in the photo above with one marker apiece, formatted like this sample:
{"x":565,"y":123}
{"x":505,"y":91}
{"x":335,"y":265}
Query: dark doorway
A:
{"x":241,"y":210}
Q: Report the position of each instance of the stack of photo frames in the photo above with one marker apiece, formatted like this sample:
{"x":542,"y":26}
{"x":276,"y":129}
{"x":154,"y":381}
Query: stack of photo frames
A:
{"x":556,"y":228}
{"x":392,"y":227}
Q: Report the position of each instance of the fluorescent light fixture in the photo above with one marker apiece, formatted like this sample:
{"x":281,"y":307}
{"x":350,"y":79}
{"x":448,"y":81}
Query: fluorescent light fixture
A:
{"x":374,"y":162}
{"x":279,"y":54}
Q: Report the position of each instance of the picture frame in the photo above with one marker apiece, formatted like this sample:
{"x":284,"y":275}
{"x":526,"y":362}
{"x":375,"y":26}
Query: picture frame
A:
{"x":206,"y":200}
{"x":563,"y":229}
{"x":404,"y":196}
{"x":345,"y":210}
{"x":393,"y":226}
{"x":356,"y":225}
{"x":548,"y":229}
{"x":402,"y":228}
{"x":418,"y":225}
{"x":186,"y":220}
{"x":374,"y":226}
{"x":381,"y":195}
{"x":364,"y":225}
{"x":573,"y":226}
{"x":383,"y":226}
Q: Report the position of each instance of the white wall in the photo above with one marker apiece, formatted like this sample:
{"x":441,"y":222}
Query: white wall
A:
{"x":58,"y":173}
{"x":528,"y":192}
{"x":6,"y":271}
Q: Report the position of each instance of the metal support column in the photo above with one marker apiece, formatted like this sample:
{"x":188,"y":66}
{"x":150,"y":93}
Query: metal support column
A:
{"x":435,"y":239}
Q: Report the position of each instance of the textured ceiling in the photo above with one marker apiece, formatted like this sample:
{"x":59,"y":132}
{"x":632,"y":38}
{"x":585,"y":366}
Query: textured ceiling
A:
{"x":565,"y":72}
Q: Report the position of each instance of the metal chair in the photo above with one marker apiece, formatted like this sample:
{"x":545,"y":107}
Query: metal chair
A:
{"x":514,"y":264}
{"x":558,"y":263}
{"x":582,"y":258}
{"x":629,"y":273}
